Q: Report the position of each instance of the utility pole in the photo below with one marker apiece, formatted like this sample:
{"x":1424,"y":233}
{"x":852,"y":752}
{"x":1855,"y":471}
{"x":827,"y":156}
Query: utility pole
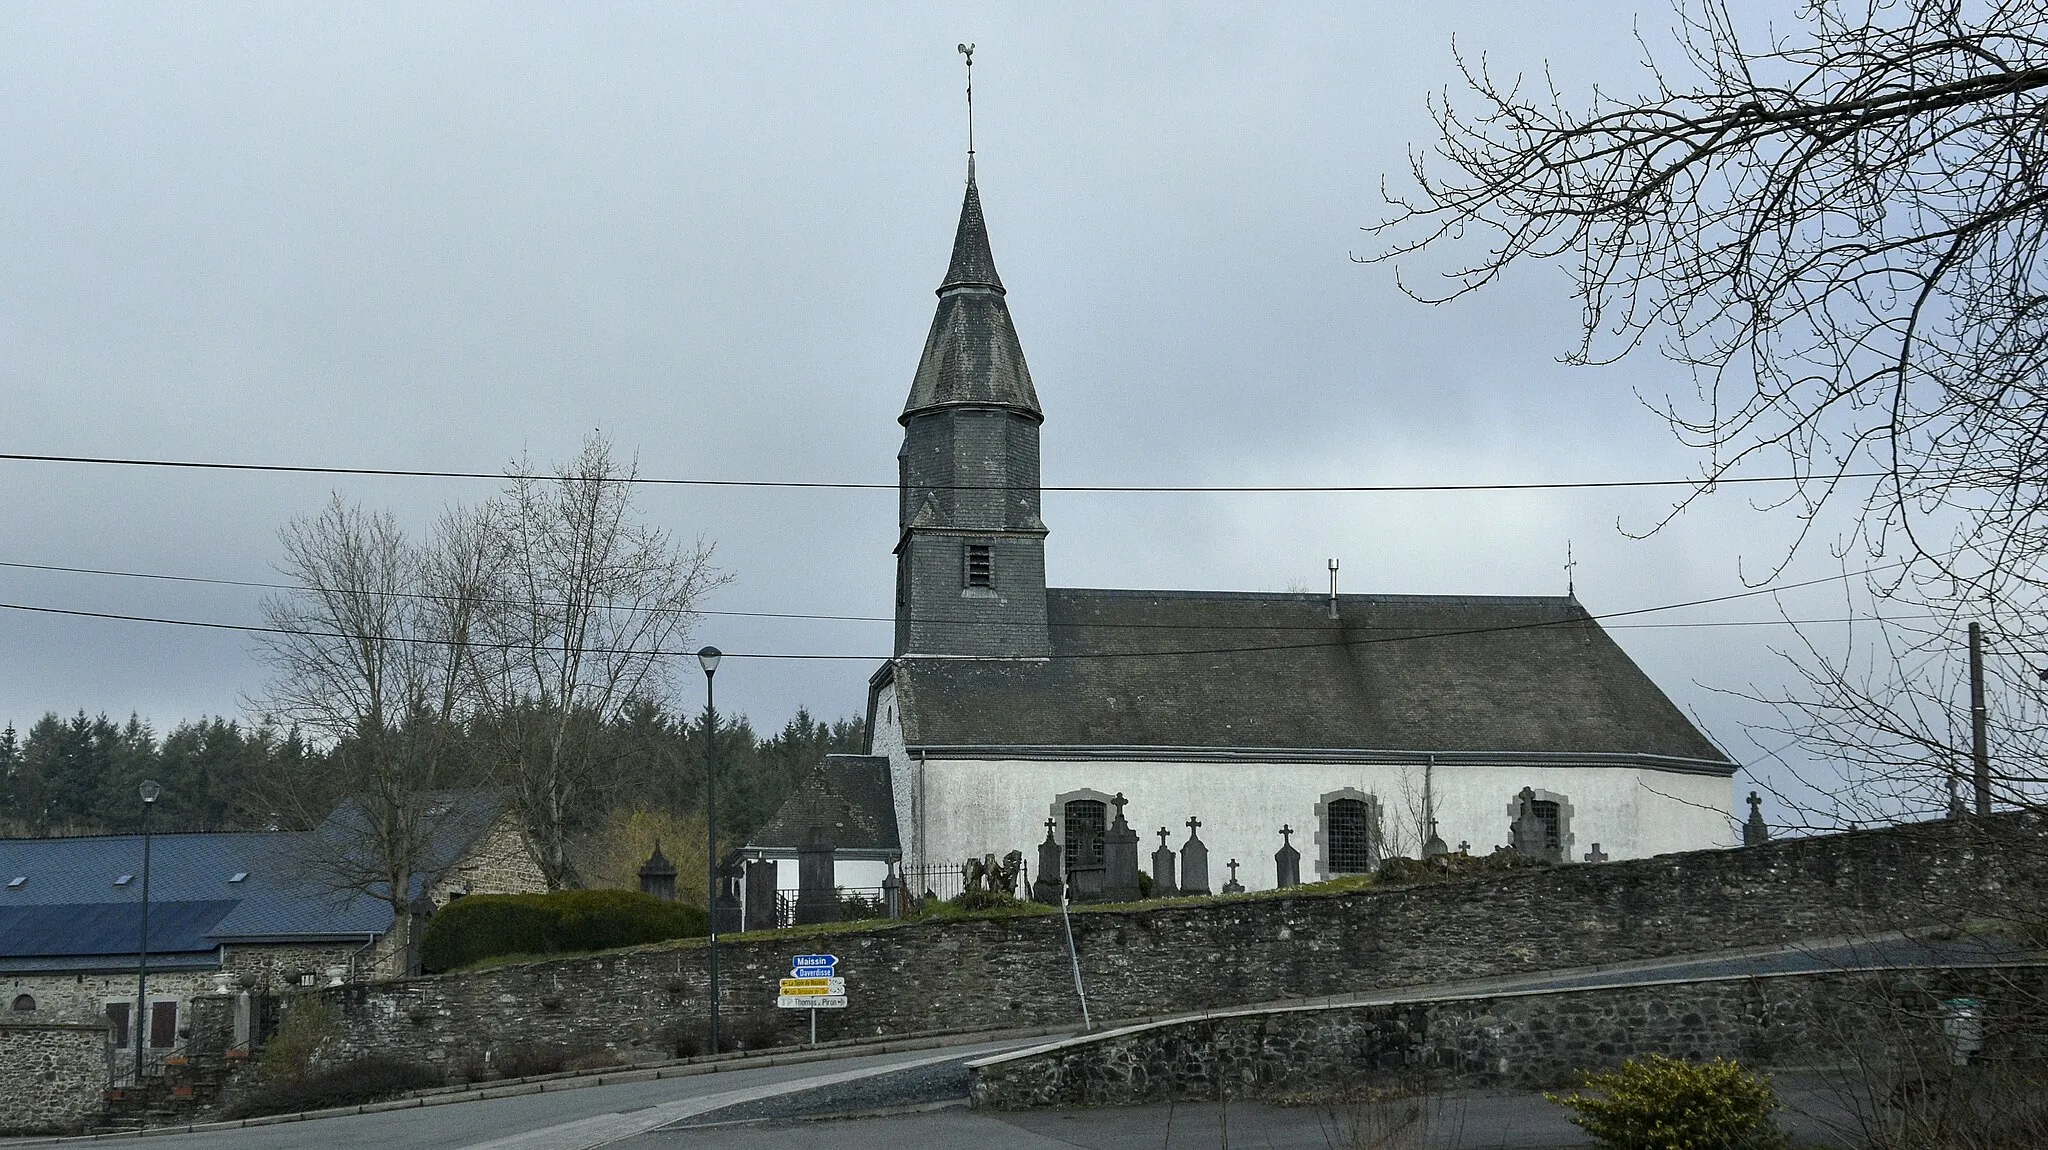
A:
{"x":1980,"y":751}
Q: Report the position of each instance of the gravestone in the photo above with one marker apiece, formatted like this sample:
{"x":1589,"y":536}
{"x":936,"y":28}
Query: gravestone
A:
{"x":760,"y":891}
{"x":1233,"y":886}
{"x":1120,"y":857}
{"x":1086,"y":881}
{"x":1286,"y":861}
{"x":1526,"y":833}
{"x":892,"y":894}
{"x":1596,"y":854}
{"x":1046,"y":887}
{"x":817,"y":900}
{"x":1194,"y":861}
{"x":1434,"y":846}
{"x":658,"y":875}
{"x":727,"y":905}
{"x":1754,"y":831}
{"x":1162,"y":868}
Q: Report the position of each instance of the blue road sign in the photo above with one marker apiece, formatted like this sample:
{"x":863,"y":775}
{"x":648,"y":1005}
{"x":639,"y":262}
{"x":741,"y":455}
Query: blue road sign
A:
{"x":814,"y":962}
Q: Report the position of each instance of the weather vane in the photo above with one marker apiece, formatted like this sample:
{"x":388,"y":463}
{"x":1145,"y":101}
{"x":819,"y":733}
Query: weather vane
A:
{"x":967,"y":50}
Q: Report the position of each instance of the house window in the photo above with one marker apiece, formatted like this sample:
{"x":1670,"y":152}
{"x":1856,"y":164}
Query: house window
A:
{"x":117,"y":1025}
{"x":163,"y":1025}
{"x":24,"y":1004}
{"x":981,"y":566}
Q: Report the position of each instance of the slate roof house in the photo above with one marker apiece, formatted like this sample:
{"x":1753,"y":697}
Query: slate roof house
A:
{"x":225,"y":911}
{"x":848,"y":799}
{"x":1360,"y":721}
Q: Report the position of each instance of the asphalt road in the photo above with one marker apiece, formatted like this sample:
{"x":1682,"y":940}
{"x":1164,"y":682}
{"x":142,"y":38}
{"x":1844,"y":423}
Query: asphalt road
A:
{"x":564,"y":1119}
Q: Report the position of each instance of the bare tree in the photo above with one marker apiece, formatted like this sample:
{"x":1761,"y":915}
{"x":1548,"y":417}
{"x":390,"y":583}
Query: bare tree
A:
{"x":589,"y":609}
{"x":1840,"y":229}
{"x":369,"y":657}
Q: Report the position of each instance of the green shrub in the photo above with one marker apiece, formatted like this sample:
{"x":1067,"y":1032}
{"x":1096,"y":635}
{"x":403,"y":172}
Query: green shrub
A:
{"x":1670,"y":1104}
{"x":308,"y":1022}
{"x":489,"y":925}
{"x":370,"y":1079}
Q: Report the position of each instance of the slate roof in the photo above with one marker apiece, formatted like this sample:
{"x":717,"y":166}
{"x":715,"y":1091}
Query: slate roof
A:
{"x":68,"y":912}
{"x":972,"y":355}
{"x":1248,"y":671}
{"x":849,"y":795}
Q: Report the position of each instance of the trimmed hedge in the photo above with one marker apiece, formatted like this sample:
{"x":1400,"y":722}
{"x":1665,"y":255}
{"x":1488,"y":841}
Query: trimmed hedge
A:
{"x":485,"y":926}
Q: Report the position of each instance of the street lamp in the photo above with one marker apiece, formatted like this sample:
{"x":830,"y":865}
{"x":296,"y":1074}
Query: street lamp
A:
{"x":150,"y":790}
{"x":708,"y":659}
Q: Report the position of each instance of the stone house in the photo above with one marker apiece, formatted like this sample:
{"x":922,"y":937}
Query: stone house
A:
{"x":227,"y":911}
{"x":1364,"y":724}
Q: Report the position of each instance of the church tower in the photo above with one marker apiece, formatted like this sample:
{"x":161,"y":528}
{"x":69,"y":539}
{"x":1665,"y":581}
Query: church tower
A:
{"x":970,"y":550}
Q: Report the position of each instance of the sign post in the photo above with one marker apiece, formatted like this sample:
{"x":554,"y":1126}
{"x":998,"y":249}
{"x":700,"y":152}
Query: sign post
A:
{"x":813,"y":984}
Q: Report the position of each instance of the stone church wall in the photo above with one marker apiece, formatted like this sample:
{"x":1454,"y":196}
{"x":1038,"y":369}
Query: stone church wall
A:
{"x":969,"y":807}
{"x":1169,"y":959}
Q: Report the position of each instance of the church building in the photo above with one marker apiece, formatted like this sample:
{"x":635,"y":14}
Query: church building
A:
{"x":1356,"y":726}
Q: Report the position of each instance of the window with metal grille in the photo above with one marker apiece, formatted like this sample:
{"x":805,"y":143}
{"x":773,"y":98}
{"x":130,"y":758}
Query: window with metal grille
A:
{"x":981,"y":566}
{"x":1546,"y":810}
{"x":1350,"y":837}
{"x":1086,"y":822}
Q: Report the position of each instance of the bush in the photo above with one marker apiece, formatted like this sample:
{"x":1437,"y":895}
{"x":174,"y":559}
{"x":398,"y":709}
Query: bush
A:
{"x":308,"y":1022}
{"x":490,"y":925}
{"x":370,"y":1079}
{"x":1670,"y":1104}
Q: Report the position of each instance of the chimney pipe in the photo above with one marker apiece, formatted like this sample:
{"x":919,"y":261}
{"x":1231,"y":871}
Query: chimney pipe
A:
{"x":1333,"y":588}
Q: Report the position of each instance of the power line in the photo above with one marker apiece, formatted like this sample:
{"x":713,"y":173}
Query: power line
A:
{"x":1070,"y":656}
{"x":1316,"y":599}
{"x":1118,"y":488}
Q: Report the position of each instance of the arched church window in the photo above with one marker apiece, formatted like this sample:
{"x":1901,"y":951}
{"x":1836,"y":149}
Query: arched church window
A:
{"x":1347,"y":833}
{"x":1545,"y":829}
{"x":1085,"y":821}
{"x":24,"y":1004}
{"x":1350,"y":838}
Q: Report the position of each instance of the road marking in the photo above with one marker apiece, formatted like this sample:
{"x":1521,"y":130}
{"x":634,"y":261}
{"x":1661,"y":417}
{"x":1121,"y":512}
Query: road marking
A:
{"x":585,"y":1133}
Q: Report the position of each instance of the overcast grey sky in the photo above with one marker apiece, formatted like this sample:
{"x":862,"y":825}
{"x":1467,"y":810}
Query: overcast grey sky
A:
{"x":438,"y":236}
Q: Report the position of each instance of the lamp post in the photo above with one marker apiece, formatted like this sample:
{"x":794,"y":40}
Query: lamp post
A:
{"x":150,"y":790}
{"x":708,"y":659}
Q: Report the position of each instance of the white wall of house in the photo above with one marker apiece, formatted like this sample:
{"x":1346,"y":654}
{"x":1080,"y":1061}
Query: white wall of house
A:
{"x":969,"y":807}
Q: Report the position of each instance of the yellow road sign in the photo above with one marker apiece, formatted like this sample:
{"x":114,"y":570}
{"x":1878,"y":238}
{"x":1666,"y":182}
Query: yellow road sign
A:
{"x":801,"y":987}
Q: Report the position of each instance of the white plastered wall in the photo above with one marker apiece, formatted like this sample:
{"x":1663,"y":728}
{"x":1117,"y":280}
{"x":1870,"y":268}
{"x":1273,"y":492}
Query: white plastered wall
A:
{"x":971,"y":807}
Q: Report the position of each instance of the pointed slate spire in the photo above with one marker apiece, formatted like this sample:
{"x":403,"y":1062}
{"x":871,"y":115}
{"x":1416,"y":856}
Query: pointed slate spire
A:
{"x":972,"y":355}
{"x":974,"y":265}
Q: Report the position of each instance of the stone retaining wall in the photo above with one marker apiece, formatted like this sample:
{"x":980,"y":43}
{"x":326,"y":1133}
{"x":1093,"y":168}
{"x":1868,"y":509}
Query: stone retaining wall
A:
{"x":51,"y":1075}
{"x":1524,"y":1041}
{"x":1177,"y":958}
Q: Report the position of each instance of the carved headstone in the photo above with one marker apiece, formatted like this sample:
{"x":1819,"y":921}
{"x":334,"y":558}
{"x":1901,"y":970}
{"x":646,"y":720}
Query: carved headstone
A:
{"x":1287,"y":861}
{"x":817,"y":896}
{"x":1232,"y":886}
{"x":1755,"y":832}
{"x":759,"y":878}
{"x":727,"y":905}
{"x":658,"y":875}
{"x":1596,"y":855}
{"x":1526,"y":834}
{"x":1194,"y":861}
{"x":1087,"y":879}
{"x":1162,"y":868}
{"x":1120,"y":857}
{"x":892,"y":894}
{"x":1046,"y":887}
{"x":1434,"y":845}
